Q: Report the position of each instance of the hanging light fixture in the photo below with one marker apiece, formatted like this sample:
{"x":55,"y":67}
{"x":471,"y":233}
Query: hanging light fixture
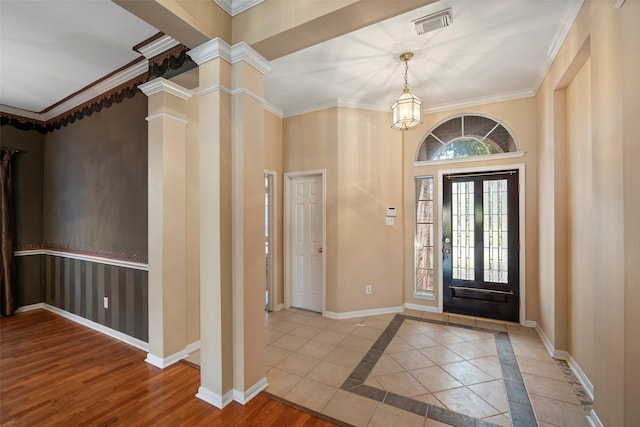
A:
{"x":407,"y":110}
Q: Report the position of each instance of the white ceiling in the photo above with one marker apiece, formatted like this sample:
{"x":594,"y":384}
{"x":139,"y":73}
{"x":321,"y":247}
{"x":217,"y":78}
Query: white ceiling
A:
{"x":495,"y":49}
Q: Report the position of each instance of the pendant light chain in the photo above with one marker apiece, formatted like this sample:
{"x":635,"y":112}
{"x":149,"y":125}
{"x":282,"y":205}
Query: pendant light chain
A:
{"x":406,"y":73}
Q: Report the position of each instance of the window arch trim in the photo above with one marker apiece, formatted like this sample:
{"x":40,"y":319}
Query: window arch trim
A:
{"x":474,"y":126}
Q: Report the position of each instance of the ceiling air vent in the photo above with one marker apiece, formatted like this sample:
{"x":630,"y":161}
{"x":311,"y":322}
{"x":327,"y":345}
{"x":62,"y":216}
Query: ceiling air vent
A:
{"x":434,"y":21}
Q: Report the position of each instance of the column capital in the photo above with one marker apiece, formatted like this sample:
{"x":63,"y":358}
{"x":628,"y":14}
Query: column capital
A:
{"x":163,"y":85}
{"x":218,"y":48}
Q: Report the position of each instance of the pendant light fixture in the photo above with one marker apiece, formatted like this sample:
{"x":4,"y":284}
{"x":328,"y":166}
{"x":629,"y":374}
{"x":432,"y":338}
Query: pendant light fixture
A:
{"x":407,"y":110}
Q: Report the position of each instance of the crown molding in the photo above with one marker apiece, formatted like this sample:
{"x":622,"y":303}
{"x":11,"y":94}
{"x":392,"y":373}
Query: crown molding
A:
{"x":570,"y":14}
{"x":243,"y":52}
{"x":347,"y":103}
{"x":473,"y":102}
{"x":157,"y":46}
{"x":21,"y":113}
{"x":273,"y":109}
{"x":210,"y":50}
{"x":163,"y":85}
{"x":234,"y":7}
{"x":218,"y":48}
{"x":106,"y":85}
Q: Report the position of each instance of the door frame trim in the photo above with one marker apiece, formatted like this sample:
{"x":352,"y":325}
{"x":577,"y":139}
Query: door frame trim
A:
{"x":288,"y":176}
{"x":273,"y":259}
{"x":520,"y":167}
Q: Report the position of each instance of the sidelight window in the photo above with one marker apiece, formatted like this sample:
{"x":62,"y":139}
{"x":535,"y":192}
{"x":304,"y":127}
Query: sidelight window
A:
{"x":424,"y":243}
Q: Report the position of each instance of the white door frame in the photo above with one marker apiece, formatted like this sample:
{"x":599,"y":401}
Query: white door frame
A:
{"x":521,"y":194}
{"x":273,"y":247}
{"x":287,"y":233}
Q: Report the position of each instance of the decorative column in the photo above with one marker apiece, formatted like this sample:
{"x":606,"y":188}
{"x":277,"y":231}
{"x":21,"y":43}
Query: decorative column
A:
{"x":167,"y":221}
{"x":248,"y":220}
{"x":231,"y":221}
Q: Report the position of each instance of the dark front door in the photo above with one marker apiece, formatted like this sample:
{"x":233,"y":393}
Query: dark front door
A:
{"x":481,"y":245}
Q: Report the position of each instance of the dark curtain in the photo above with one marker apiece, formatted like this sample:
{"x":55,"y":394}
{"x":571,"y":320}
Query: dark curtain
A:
{"x":7,"y":280}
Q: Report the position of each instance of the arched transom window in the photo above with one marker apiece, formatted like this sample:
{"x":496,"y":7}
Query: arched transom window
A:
{"x":466,"y":135}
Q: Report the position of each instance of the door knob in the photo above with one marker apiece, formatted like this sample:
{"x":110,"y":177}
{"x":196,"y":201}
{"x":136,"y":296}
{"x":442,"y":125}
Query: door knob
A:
{"x":320,"y":250}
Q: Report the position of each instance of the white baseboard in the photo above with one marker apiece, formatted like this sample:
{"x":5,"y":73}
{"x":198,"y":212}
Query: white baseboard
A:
{"x":29,"y":307}
{"x":127,"y":339}
{"x":279,"y":307}
{"x":247,"y":395}
{"x":215,"y":399}
{"x":362,"y":313}
{"x":566,"y":356}
{"x":546,"y":341}
{"x":530,"y":324}
{"x":593,"y":419}
{"x":582,"y":377}
{"x":419,"y":307}
{"x":190,"y":348}
{"x":160,"y":362}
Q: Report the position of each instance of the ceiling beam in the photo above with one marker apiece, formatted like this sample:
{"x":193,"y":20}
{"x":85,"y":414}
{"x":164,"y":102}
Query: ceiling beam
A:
{"x":191,"y":22}
{"x":278,"y":28}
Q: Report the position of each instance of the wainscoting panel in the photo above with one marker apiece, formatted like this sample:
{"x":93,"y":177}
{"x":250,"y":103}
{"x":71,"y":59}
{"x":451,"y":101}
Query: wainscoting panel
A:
{"x":29,"y":279}
{"x":80,"y":286}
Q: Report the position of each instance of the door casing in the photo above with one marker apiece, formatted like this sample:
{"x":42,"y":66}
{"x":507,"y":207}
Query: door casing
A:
{"x":520,"y":167}
{"x":288,"y":177}
{"x":273,"y":247}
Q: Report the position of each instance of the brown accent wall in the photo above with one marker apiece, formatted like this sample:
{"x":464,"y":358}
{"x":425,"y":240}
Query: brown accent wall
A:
{"x":95,"y":183}
{"x":83,"y":188}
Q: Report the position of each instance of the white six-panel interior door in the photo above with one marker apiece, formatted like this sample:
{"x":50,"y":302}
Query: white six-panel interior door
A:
{"x":305,"y":241}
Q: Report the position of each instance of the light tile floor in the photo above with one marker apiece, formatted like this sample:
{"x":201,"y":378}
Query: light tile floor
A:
{"x":420,"y":369}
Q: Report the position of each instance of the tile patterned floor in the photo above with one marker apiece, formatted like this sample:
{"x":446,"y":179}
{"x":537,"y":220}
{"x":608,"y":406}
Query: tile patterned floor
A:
{"x":420,"y":369}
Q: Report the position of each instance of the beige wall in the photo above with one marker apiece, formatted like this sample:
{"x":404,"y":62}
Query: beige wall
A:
{"x":520,"y":118}
{"x":361,"y":155}
{"x":369,"y":181}
{"x":310,"y":142}
{"x":603,"y":36}
{"x":631,"y":153}
{"x":580,"y":227}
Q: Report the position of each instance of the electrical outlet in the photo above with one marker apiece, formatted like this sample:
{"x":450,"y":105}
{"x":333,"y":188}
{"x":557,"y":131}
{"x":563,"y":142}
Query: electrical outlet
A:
{"x":367,"y":289}
{"x":106,"y":302}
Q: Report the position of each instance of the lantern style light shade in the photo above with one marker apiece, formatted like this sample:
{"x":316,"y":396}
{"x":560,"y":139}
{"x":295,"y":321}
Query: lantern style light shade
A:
{"x":407,"y":110}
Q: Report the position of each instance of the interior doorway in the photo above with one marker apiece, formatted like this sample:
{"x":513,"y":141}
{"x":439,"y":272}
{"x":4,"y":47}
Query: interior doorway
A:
{"x":481,"y":244}
{"x":270,"y":240}
{"x":304,"y":240}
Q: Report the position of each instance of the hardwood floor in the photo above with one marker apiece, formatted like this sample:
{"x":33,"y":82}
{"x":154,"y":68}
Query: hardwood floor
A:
{"x":56,"y":372}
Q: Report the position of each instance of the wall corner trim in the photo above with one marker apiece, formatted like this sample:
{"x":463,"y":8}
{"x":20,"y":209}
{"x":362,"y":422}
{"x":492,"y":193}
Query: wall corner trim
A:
{"x":245,"y":396}
{"x":215,"y":399}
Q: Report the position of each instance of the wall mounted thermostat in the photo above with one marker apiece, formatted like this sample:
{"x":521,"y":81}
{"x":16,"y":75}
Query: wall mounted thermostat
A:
{"x":391,"y":211}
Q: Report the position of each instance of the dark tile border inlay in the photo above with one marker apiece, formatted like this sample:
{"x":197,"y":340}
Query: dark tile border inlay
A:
{"x":520,"y":410}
